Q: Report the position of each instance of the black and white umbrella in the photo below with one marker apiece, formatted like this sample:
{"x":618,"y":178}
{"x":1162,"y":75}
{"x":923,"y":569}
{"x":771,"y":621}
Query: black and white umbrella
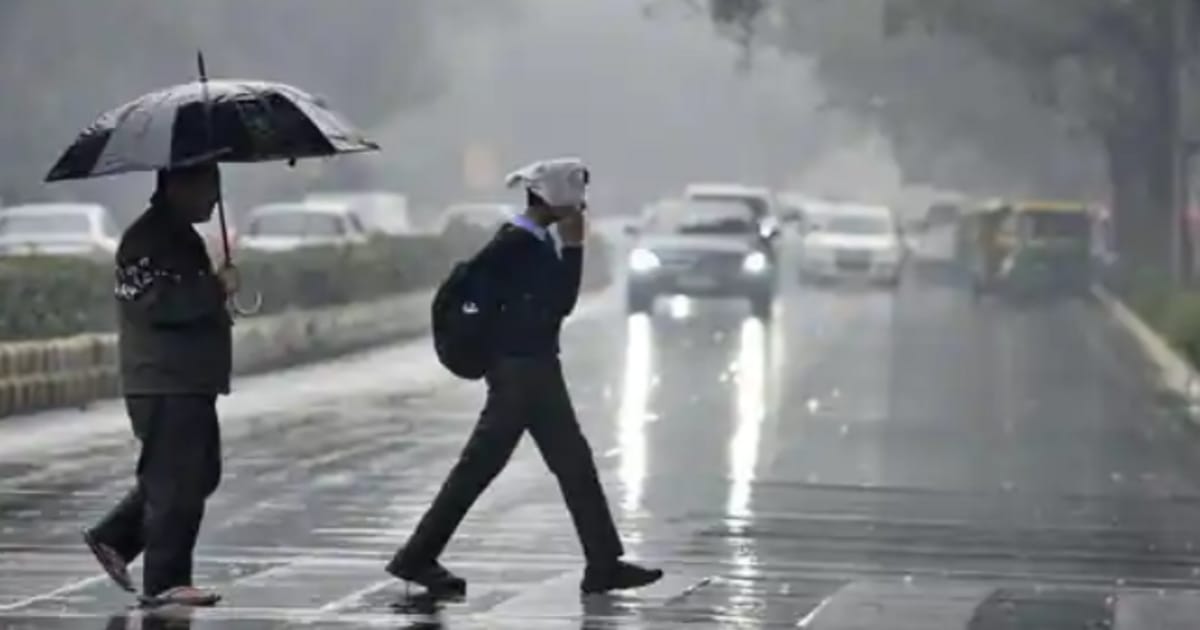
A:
{"x":209,"y":121}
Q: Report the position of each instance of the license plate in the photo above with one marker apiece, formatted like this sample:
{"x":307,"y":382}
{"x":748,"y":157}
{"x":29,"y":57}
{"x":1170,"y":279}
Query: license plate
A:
{"x":854,"y":261}
{"x":696,"y":282}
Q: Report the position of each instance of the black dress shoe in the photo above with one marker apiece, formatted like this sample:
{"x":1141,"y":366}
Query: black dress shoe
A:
{"x":436,"y":579}
{"x":617,"y":576}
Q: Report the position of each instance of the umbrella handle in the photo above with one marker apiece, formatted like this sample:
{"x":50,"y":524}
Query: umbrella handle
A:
{"x":234,"y":299}
{"x":246,"y":311}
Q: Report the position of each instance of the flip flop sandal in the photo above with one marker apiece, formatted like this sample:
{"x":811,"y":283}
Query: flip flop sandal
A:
{"x":111,"y":561}
{"x":181,"y":596}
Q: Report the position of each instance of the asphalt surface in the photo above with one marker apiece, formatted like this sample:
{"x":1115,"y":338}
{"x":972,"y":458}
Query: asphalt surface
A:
{"x":869,"y":459}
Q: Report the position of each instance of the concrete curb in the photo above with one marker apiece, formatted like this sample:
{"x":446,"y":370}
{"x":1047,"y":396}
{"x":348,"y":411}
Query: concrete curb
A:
{"x":76,"y":371}
{"x":1175,"y":373}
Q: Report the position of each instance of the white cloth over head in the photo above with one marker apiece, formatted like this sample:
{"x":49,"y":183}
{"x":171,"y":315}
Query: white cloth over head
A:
{"x":559,"y":182}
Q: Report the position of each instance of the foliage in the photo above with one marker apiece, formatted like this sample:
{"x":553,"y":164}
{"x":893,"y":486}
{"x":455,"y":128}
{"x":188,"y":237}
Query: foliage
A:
{"x":1174,"y":313}
{"x":51,"y":297}
{"x":1181,"y":324}
{"x":1028,"y":85}
{"x":957,"y":118}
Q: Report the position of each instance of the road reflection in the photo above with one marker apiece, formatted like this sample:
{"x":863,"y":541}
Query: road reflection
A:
{"x":634,"y":412}
{"x":167,"y":618}
{"x":750,"y":369}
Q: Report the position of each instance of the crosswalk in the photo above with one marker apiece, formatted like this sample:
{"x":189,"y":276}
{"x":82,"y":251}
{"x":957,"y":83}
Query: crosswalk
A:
{"x":264,"y":590}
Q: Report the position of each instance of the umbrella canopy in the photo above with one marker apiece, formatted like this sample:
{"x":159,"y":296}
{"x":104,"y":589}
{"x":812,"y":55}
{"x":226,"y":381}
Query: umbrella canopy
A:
{"x":219,"y":120}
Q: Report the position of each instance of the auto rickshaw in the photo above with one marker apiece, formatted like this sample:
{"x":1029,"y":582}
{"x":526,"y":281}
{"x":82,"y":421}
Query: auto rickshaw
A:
{"x":979,"y":248}
{"x":1046,"y":249}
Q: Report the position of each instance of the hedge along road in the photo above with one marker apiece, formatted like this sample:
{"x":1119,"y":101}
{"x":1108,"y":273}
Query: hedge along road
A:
{"x":325,"y":302}
{"x":868,"y":460}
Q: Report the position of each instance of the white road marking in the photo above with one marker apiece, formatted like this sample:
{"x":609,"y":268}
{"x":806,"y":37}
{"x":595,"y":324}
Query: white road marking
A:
{"x":1157,"y":610}
{"x":66,"y":588}
{"x":898,"y":605}
{"x":356,"y":596}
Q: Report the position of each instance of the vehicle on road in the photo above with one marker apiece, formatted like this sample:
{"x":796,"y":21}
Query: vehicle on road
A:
{"x":703,"y":248}
{"x":284,"y":227}
{"x":487,"y":217}
{"x":383,"y":213}
{"x":1047,"y":250}
{"x":942,"y":213}
{"x":760,"y":201}
{"x":58,"y":229}
{"x":793,"y":210}
{"x":853,"y":242}
{"x":979,"y":250}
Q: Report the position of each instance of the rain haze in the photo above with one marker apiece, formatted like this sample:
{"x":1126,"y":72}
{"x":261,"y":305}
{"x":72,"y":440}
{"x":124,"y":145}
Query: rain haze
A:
{"x":829,"y":314}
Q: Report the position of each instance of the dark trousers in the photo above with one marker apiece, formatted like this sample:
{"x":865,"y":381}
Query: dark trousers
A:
{"x":523,"y":394}
{"x":179,"y":467}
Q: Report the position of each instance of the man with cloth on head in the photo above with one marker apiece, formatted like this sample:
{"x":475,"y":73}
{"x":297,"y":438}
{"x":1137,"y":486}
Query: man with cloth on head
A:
{"x":537,"y":287}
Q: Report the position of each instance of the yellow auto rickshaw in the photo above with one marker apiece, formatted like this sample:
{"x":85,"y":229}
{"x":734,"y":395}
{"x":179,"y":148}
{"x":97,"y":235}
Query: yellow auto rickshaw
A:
{"x":979,"y":246}
{"x":1046,"y":248}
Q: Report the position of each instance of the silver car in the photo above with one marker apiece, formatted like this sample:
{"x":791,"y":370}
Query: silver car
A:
{"x":58,"y":229}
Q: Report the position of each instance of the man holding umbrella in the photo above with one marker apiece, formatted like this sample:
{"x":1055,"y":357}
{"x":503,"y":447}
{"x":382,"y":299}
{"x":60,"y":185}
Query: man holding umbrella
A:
{"x":175,"y":359}
{"x":536,"y":287}
{"x":174,"y":310}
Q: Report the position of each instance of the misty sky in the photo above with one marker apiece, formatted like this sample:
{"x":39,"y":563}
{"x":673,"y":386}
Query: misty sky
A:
{"x":650,"y":103}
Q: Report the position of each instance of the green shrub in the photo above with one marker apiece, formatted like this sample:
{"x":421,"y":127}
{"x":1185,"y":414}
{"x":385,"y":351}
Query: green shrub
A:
{"x":324,"y":276}
{"x":1148,"y":293}
{"x":1180,"y":324}
{"x":51,"y":297}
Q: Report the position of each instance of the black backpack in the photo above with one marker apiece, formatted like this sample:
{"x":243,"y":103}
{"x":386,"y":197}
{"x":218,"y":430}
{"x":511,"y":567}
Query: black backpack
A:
{"x":462,"y":317}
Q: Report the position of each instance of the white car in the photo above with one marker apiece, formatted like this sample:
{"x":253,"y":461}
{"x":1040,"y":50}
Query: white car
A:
{"x":859,"y":242}
{"x":58,"y":229}
{"x":285,"y":227}
{"x":381,"y":212}
{"x":484,"y":216}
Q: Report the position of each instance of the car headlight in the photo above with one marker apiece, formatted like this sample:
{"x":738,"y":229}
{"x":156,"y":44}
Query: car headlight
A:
{"x":643,"y":261}
{"x":755,"y":262}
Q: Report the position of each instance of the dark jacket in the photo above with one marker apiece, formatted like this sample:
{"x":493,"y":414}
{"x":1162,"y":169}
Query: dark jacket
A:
{"x":536,"y":287}
{"x":175,"y":335}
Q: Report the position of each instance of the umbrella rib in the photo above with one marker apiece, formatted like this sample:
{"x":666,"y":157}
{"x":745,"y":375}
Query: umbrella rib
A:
{"x":261,"y":96}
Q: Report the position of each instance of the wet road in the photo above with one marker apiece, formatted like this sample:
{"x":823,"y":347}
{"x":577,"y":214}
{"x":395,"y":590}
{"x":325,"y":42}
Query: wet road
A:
{"x":869,"y":460}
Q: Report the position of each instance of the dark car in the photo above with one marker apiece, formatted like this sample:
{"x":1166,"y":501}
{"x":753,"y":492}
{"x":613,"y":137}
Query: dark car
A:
{"x":703,"y":248}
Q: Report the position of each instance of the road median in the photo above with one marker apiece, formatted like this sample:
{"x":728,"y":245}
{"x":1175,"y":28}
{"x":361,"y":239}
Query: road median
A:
{"x":75,"y":371}
{"x":78,"y":370}
{"x":1175,"y":374}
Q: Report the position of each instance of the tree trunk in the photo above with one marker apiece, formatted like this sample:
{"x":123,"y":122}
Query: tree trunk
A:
{"x":1141,"y":176}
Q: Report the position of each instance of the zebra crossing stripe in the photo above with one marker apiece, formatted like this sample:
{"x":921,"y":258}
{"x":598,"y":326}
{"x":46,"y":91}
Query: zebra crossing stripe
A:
{"x":898,"y":605}
{"x":1146,"y":610}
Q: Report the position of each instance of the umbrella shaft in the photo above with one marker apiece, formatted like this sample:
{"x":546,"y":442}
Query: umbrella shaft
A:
{"x":224,"y":232}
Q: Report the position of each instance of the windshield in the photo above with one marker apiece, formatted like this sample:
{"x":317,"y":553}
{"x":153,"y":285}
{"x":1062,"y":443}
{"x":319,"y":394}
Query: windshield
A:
{"x":60,"y":224}
{"x":310,"y":224}
{"x":755,"y":205}
{"x":859,"y":225}
{"x":703,"y":217}
{"x":1059,"y":225}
